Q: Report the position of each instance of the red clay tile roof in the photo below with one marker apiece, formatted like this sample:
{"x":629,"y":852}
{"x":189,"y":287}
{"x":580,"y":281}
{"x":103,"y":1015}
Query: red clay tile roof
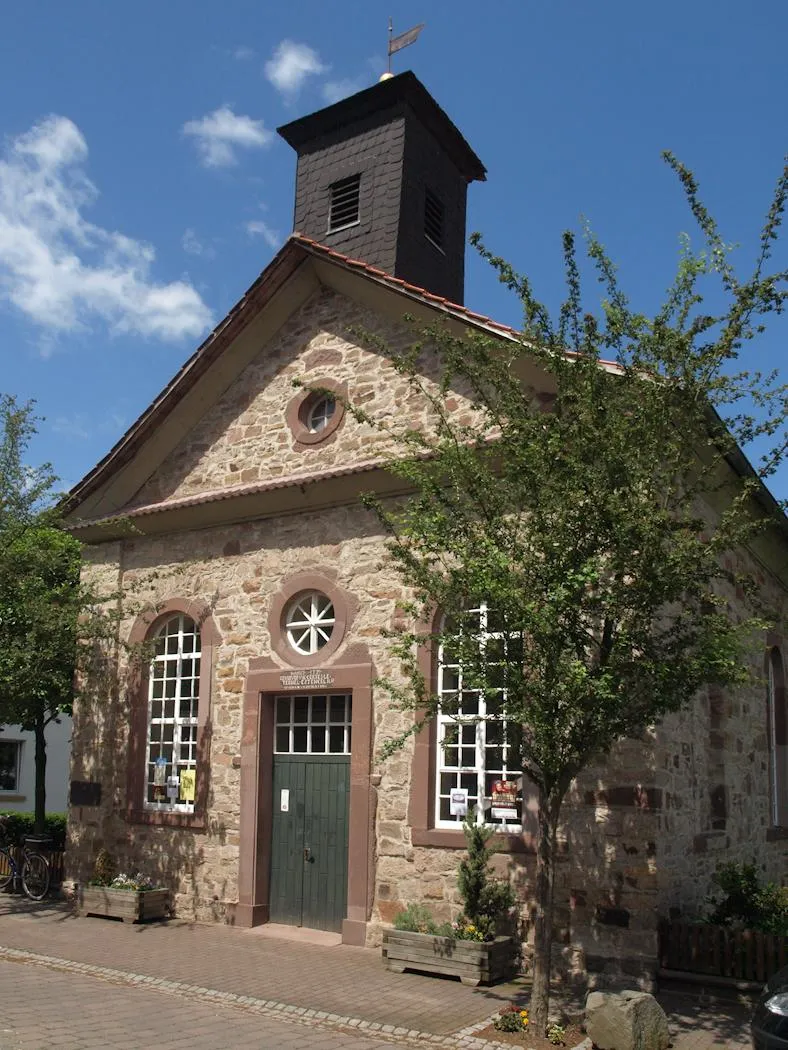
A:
{"x":197,"y":499}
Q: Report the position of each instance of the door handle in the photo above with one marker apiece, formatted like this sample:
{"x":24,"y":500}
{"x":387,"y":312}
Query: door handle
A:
{"x":307,"y":854}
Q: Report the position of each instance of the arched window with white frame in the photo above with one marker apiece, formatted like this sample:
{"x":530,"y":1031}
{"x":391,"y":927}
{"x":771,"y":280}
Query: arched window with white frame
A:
{"x":478,"y":755}
{"x":173,"y":699}
{"x":778,"y":737}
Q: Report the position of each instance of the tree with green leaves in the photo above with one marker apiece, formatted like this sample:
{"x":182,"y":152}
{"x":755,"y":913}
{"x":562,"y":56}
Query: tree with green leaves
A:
{"x":59,"y":633}
{"x":40,"y":594}
{"x":592,"y":524}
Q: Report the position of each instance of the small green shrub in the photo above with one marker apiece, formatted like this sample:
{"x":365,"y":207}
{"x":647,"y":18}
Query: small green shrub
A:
{"x":416,"y":918}
{"x":21,"y":824}
{"x":744,"y":902}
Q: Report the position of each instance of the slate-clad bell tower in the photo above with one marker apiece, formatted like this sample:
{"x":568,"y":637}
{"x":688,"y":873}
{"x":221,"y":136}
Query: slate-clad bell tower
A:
{"x":383,"y":177}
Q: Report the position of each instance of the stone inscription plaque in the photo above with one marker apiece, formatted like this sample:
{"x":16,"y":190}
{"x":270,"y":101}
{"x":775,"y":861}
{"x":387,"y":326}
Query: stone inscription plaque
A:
{"x":305,"y":679}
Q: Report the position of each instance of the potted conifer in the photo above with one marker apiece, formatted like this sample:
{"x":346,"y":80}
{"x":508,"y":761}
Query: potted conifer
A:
{"x":474,"y":948}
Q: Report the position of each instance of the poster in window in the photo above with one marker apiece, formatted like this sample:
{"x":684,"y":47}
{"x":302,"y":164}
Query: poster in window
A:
{"x":159,"y":778}
{"x":458,"y":802}
{"x":188,"y":784}
{"x":504,"y":801}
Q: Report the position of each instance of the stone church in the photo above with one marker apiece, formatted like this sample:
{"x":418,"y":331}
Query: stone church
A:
{"x":239,"y":764}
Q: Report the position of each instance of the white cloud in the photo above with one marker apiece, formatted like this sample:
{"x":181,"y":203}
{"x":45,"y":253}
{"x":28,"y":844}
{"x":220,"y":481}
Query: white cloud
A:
{"x":64,"y":272}
{"x":81,"y":427}
{"x":291,"y":64}
{"x":258,"y":228}
{"x":221,"y":133}
{"x":71,"y":426}
{"x":334,"y":90}
{"x":192,"y":245}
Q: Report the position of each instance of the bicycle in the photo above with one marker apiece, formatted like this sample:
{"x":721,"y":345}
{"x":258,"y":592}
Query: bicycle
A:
{"x":33,"y":873}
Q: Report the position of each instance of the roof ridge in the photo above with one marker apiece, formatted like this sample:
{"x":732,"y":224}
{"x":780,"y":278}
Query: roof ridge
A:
{"x":424,"y":293}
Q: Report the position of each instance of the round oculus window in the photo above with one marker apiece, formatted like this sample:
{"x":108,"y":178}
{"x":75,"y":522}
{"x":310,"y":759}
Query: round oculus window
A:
{"x":320,"y":414}
{"x":309,"y":622}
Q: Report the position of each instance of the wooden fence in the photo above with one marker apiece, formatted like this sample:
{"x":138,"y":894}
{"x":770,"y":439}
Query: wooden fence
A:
{"x":744,"y":955}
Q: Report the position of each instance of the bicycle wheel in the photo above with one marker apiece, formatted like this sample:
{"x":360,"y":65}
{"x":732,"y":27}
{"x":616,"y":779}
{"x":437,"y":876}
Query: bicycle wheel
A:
{"x":35,"y":876}
{"x":7,"y":870}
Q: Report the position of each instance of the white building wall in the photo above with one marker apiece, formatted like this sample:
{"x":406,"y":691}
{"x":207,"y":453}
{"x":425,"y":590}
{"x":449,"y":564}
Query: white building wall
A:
{"x":58,"y":736}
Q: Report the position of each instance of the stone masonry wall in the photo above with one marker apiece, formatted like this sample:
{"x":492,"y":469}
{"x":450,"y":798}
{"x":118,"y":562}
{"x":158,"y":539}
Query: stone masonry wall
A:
{"x":238,"y":569}
{"x":633,"y":830}
{"x":640,"y":833}
{"x":245,"y":438}
{"x":713,"y":771}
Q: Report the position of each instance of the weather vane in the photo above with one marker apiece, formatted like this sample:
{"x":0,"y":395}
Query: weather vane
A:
{"x":396,"y":43}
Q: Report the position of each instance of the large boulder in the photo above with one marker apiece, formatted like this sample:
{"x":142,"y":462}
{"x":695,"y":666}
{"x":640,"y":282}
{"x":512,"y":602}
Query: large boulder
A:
{"x":626,"y":1021}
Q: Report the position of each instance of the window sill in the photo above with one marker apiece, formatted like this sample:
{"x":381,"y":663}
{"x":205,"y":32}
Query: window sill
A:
{"x":776,"y":834}
{"x":195,"y":821}
{"x":10,"y":797}
{"x":447,"y":839}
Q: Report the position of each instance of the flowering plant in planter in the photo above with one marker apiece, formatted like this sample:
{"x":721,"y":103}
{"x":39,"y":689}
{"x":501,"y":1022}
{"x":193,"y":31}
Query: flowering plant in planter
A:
{"x":128,"y":896}
{"x":105,"y":874}
{"x":472,"y":947}
{"x":138,"y":882}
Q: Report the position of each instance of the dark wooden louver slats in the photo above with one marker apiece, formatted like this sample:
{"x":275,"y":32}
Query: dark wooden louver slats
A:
{"x":433,"y":219}
{"x":344,"y":202}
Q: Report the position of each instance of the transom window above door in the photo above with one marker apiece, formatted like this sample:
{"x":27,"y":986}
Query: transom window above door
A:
{"x":310,"y":622}
{"x":313,"y":725}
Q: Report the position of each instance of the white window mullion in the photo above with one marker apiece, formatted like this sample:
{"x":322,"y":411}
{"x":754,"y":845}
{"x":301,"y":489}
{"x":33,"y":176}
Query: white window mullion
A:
{"x":481,"y":765}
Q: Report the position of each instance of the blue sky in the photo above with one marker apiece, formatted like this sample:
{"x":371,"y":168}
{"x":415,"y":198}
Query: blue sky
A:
{"x":143,"y":187}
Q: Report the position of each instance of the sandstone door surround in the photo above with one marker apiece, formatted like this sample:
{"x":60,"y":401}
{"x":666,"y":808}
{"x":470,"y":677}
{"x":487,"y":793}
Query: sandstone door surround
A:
{"x":352,"y":673}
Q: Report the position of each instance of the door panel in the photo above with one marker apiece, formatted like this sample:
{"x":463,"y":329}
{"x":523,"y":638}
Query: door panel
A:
{"x":309,"y":843}
{"x":326,"y":838}
{"x":287,"y":842}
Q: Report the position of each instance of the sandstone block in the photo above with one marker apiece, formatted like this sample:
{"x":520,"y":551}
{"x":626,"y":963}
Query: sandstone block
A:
{"x":626,"y":1021}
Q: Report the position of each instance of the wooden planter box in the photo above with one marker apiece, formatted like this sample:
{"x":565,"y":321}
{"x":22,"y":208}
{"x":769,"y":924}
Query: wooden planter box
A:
{"x":474,"y":962}
{"x":129,"y":905}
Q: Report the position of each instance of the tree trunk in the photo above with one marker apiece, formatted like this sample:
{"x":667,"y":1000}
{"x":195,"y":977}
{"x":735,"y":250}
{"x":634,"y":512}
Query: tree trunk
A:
{"x":549,"y":809}
{"x":39,"y":827}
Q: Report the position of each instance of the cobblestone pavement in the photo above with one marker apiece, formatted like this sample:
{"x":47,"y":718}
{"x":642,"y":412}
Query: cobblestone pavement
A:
{"x":342,"y":980}
{"x":342,"y":993}
{"x":707,"y":1023}
{"x":41,"y":1008}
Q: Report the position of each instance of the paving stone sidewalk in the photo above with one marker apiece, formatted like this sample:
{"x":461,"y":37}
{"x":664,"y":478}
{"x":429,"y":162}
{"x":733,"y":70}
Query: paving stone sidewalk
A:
{"x":43,"y":1009}
{"x":342,"y":980}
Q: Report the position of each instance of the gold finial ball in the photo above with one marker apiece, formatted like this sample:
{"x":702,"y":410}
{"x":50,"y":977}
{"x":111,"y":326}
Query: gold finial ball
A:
{"x":386,"y":76}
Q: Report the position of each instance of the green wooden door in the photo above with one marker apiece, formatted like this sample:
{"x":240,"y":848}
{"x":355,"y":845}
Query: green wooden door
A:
{"x":309,"y":841}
